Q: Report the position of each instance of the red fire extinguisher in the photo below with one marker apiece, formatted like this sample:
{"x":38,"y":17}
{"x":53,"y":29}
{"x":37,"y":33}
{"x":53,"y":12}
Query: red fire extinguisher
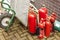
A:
{"x":53,"y":17}
{"x":42,"y":13}
{"x":52,"y":20}
{"x":47,"y":28}
{"x":41,"y":26}
{"x":41,"y":35}
{"x":32,"y":22}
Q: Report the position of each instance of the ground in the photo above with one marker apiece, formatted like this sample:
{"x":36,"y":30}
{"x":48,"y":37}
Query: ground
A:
{"x":18,"y":32}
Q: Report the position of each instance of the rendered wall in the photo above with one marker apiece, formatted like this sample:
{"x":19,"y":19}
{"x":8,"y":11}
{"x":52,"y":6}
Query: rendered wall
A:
{"x":21,"y":8}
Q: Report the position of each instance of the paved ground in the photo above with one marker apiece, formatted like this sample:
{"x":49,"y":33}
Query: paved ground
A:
{"x":19,"y":32}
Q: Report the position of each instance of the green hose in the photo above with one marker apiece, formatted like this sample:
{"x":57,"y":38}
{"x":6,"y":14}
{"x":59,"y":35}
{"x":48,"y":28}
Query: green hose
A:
{"x":13,"y":15}
{"x":7,"y":5}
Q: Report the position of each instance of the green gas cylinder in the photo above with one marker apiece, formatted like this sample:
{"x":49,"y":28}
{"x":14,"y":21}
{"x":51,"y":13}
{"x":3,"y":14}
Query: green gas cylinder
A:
{"x":57,"y":25}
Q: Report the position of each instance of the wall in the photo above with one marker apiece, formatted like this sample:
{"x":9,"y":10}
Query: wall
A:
{"x":21,"y":8}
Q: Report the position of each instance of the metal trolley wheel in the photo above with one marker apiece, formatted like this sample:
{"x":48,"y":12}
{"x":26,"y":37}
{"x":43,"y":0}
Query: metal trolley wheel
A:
{"x":4,"y":20}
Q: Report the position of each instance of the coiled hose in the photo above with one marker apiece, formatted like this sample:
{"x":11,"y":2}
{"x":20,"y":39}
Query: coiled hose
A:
{"x":9,"y":9}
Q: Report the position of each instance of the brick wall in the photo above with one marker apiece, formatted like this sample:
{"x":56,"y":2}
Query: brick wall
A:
{"x":52,"y":5}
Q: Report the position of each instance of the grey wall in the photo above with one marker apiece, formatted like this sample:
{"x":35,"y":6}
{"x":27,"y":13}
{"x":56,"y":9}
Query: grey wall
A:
{"x":21,"y":8}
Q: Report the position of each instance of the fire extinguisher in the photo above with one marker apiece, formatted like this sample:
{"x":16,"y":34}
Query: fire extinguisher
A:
{"x":47,"y":28}
{"x":41,"y":26}
{"x":54,"y":15}
{"x":52,"y":20}
{"x":41,"y":35}
{"x":42,"y":12}
{"x":32,"y":22}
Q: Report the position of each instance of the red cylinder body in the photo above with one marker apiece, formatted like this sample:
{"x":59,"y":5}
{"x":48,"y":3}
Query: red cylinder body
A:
{"x":47,"y":28}
{"x":42,"y":13}
{"x":32,"y":22}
